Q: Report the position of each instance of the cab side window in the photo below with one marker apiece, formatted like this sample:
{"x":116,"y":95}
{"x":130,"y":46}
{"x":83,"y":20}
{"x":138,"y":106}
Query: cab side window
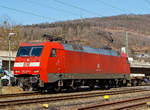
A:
{"x":53,"y":53}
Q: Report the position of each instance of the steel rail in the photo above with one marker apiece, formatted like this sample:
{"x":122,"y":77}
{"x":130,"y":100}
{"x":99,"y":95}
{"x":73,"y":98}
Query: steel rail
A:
{"x":96,"y":106}
{"x":18,"y":94}
{"x":130,"y":106}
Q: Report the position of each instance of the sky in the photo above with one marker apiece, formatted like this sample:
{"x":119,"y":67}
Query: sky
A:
{"x":27,"y":12}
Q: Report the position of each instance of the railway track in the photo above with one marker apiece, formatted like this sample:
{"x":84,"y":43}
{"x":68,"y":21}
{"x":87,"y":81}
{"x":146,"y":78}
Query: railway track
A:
{"x":119,"y":105}
{"x":37,"y":93}
{"x":19,"y":95}
{"x":32,"y":100}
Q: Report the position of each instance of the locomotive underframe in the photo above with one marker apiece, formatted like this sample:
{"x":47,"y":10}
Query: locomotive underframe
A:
{"x":76,"y":80}
{"x":28,"y":82}
{"x":57,"y":81}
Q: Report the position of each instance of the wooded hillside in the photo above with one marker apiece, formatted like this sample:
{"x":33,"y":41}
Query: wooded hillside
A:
{"x":93,"y":32}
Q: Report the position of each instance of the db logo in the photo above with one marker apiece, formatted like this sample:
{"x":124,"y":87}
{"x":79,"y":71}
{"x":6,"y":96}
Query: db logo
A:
{"x":26,"y":64}
{"x":28,"y":60}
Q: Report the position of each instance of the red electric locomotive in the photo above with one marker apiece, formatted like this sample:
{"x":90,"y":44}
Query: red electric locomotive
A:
{"x":54,"y":65}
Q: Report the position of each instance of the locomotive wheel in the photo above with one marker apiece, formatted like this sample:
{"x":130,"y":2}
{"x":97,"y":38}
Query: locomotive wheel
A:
{"x":134,"y":83}
{"x":143,"y":83}
{"x":91,"y":87}
{"x":74,"y":87}
{"x":57,"y":88}
{"x":106,"y":85}
{"x":27,"y":88}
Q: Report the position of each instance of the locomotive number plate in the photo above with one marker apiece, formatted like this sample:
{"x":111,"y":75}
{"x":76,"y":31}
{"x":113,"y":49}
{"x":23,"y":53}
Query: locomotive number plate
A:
{"x":26,"y":71}
{"x":26,"y":64}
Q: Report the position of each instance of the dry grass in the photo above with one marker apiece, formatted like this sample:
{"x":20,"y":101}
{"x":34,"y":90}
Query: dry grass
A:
{"x":11,"y":90}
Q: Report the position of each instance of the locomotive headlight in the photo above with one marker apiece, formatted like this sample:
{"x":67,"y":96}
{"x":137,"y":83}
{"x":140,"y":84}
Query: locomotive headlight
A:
{"x":17,"y":71}
{"x":36,"y":71}
{"x":33,"y":64}
{"x":18,"y":64}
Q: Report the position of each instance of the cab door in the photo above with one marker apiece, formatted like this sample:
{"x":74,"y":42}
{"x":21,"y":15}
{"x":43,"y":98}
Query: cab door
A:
{"x":55,"y":61}
{"x":52,"y":61}
{"x":60,"y":60}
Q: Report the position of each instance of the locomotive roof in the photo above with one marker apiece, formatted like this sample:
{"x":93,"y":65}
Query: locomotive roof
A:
{"x":77,"y":48}
{"x":91,"y":50}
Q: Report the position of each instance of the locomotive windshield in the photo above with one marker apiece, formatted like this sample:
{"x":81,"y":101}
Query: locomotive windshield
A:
{"x":30,"y":51}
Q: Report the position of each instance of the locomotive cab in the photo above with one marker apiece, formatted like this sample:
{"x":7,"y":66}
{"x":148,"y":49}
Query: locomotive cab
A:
{"x":34,"y":61}
{"x":27,"y":66}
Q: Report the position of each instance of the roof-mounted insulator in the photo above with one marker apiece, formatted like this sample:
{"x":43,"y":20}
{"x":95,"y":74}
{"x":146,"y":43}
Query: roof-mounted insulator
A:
{"x":53,"y":38}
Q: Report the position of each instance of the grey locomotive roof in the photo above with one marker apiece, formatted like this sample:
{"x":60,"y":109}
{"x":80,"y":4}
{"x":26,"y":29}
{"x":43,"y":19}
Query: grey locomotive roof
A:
{"x":91,"y":50}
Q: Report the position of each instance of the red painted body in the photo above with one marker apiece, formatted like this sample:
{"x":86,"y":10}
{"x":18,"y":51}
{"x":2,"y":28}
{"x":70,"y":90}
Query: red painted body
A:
{"x":69,"y":61}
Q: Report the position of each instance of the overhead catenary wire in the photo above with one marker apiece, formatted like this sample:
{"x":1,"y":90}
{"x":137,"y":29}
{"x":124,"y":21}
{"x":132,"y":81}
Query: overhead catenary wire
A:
{"x":79,"y":8}
{"x":147,"y":1}
{"x":26,"y":12}
{"x":112,"y":6}
{"x":54,"y":8}
{"x":115,"y":7}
